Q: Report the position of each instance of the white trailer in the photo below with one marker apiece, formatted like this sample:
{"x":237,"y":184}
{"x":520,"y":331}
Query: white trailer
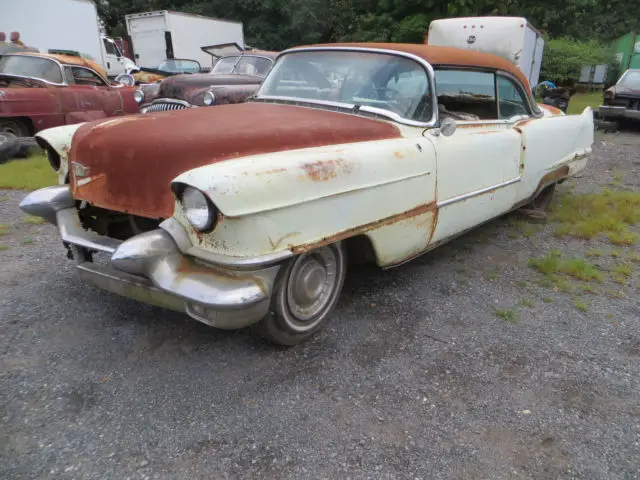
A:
{"x":513,"y":38}
{"x":156,"y":36}
{"x":70,"y":25}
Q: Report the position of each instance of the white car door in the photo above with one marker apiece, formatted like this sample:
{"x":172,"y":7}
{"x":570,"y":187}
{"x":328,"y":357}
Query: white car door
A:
{"x":478,"y":167}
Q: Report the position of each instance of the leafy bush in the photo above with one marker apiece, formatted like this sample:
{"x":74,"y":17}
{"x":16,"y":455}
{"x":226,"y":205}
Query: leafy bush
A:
{"x":563,"y":59}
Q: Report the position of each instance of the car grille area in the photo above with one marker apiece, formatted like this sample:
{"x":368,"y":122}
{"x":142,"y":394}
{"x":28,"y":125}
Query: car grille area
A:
{"x":163,"y":106}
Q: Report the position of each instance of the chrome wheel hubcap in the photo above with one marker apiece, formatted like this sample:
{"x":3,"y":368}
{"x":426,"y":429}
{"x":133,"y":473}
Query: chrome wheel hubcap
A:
{"x":312,"y":284}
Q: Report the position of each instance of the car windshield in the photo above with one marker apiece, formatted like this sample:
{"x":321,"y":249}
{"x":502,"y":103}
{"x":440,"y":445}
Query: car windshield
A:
{"x":631,"y":79}
{"x":34,"y":67}
{"x":243,"y":65}
{"x":385,"y":81}
{"x":180,"y":66}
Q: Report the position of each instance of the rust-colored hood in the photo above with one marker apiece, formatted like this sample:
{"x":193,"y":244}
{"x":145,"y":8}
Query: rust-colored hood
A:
{"x":126,"y":164}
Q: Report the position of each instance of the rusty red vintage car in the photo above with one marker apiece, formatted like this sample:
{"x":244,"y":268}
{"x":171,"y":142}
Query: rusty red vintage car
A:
{"x":236,"y":75}
{"x":39,"y":91}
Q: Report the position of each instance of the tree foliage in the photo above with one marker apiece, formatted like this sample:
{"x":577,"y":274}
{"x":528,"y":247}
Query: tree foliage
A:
{"x":278,"y":24}
{"x":564,"y":57}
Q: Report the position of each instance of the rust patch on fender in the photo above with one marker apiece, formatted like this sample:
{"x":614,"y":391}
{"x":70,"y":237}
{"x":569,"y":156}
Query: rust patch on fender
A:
{"x":550,"y":108}
{"x":324,"y":170}
{"x":522,"y":123}
{"x":553,"y":176}
{"x":351,"y":232}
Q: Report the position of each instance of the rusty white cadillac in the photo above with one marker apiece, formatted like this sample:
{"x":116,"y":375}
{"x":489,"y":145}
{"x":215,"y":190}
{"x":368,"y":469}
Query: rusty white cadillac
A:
{"x":245,"y":215}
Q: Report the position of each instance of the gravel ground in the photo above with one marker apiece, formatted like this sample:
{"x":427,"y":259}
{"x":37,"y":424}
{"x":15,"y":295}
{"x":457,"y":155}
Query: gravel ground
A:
{"x":415,"y":377}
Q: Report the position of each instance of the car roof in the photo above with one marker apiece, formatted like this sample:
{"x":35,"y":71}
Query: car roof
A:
{"x":263,"y":53}
{"x":440,"y":56}
{"x":69,"y":60}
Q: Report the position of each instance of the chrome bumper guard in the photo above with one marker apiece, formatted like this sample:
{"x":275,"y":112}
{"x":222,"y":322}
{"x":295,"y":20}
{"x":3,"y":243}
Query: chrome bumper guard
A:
{"x":149,"y":267}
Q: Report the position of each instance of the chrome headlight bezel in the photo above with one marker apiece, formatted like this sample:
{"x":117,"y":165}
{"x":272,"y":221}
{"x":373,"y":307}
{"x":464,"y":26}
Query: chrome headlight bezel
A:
{"x":138,"y":96}
{"x":209,"y":98}
{"x":198,"y":209}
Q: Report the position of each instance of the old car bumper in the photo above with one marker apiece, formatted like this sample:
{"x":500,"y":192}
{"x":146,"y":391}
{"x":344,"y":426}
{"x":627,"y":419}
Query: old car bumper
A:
{"x":607,"y":111}
{"x":149,"y":267}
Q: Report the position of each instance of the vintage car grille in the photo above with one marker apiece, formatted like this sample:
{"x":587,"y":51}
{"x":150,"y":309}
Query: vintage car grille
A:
{"x":164,"y":106}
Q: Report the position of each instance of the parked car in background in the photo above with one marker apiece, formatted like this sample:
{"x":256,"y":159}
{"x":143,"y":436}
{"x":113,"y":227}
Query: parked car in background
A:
{"x":236,"y":75}
{"x":169,"y":67}
{"x":245,"y":215}
{"x":622,"y":101}
{"x":39,"y":91}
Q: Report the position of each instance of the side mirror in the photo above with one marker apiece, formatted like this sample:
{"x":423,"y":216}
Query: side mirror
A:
{"x":447,"y":126}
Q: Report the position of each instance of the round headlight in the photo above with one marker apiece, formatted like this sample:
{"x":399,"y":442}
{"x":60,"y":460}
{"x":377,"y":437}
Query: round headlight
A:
{"x":138,"y":96}
{"x":209,"y":98}
{"x":126,"y":80}
{"x":197,"y":209}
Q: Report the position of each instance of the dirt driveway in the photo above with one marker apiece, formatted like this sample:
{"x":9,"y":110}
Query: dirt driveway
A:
{"x":468,"y":363}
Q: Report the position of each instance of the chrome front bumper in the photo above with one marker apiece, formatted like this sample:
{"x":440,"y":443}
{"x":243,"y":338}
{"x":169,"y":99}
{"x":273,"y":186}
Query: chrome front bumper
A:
{"x":151,"y":268}
{"x":607,"y":111}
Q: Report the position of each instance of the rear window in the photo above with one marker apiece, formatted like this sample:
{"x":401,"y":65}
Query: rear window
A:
{"x":34,"y":67}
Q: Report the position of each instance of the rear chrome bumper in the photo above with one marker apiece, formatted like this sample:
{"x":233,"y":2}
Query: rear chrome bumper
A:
{"x":608,"y":111}
{"x":151,"y":268}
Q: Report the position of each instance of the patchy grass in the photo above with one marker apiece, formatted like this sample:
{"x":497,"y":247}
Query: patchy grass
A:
{"x":621,"y":273}
{"x":580,"y":305}
{"x":634,"y":257}
{"x":4,"y":228}
{"x":547,"y":299}
{"x":614,"y":293}
{"x":3,"y":248}
{"x":588,"y":288}
{"x":27,"y":241}
{"x":27,"y":174}
{"x":555,"y":270}
{"x":610,"y":213}
{"x":615,"y":253}
{"x":32,"y":220}
{"x":594,"y":253}
{"x":491,"y":275}
{"x":4,"y":199}
{"x":510,"y":316}
{"x":525,"y":302}
{"x":580,"y":101}
{"x":618,"y":176}
{"x":525,"y":228}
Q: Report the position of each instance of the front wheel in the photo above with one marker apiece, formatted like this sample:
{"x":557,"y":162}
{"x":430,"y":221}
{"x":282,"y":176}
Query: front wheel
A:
{"x":305,"y":294}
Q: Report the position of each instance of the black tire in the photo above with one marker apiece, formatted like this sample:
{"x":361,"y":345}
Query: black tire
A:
{"x":288,"y":322}
{"x":9,"y":147}
{"x":16,"y":127}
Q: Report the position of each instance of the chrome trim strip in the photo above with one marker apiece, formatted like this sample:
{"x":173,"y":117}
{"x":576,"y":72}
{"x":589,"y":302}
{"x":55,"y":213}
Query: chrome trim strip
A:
{"x":426,"y":65}
{"x":469,"y":195}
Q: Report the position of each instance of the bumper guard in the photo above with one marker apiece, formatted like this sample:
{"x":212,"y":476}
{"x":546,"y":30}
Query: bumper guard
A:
{"x":150,"y":267}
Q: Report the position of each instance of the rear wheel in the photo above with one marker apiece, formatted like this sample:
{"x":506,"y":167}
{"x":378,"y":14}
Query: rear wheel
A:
{"x":305,"y":294}
{"x":15,"y":127}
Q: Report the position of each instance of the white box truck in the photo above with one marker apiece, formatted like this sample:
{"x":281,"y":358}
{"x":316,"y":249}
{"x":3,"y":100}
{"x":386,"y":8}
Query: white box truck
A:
{"x":70,"y":25}
{"x":157,"y":36}
{"x":510,"y":37}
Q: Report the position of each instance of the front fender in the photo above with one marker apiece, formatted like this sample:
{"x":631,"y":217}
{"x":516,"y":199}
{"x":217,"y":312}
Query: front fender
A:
{"x":289,"y":200}
{"x":59,"y":140}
